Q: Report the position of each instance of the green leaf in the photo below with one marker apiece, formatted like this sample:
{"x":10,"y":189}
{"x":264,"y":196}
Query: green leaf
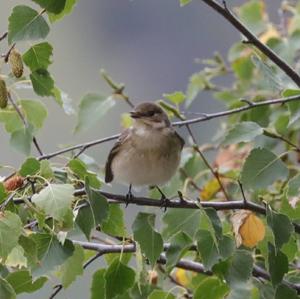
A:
{"x":10,"y":231}
{"x":211,"y":288}
{"x":21,"y":140}
{"x":183,"y":220}
{"x":6,"y":290}
{"x":284,"y":292}
{"x":207,"y":247}
{"x":38,"y":56}
{"x":95,"y":213}
{"x":30,"y":250}
{"x":51,"y":252}
{"x":271,"y":79}
{"x":42,"y":82}
{"x":294,"y":106}
{"x":252,"y":14}
{"x":35,"y":112}
{"x":184,"y":2}
{"x":150,"y":240}
{"x":114,"y":224}
{"x":53,"y":6}
{"x":261,"y":169}
{"x":119,"y":278}
{"x":240,"y":269}
{"x":67,"y":10}
{"x":281,"y":226}
{"x":91,"y":109}
{"x":46,"y":170}
{"x":55,"y":200}
{"x":22,"y":282}
{"x":73,"y":267}
{"x":11,"y":120}
{"x":98,"y":287}
{"x":278,"y":265}
{"x":176,"y":97}
{"x":26,"y":23}
{"x":30,"y":167}
{"x":243,"y":132}
{"x":179,"y":245}
{"x":158,"y":294}
{"x":243,"y":68}
{"x":16,"y":258}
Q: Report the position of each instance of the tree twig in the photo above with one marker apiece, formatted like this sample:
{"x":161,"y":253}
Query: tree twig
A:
{"x":182,"y":263}
{"x":205,"y":117}
{"x":34,"y":140}
{"x":251,"y":38}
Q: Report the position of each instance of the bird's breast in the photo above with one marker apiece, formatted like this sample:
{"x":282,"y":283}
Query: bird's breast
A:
{"x":147,"y":159}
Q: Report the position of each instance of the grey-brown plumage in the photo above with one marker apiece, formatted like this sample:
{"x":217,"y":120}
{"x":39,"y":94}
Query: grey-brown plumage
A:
{"x":149,"y":152}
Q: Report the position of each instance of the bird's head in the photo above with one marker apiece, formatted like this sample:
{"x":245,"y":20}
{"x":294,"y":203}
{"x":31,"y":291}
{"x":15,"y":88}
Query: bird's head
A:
{"x":150,"y":114}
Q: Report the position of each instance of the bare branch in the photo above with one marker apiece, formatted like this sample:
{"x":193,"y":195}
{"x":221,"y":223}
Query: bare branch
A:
{"x":205,"y":117}
{"x":251,"y":38}
{"x":182,"y":263}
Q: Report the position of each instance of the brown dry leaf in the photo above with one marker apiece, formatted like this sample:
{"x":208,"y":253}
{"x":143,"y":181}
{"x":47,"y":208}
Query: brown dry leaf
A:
{"x":211,"y":188}
{"x":232,"y":156}
{"x":152,"y":277}
{"x":248,"y":228}
{"x":13,"y":183}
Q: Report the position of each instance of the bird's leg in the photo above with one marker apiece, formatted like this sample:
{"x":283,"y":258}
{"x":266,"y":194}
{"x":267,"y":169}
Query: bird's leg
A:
{"x":163,"y":199}
{"x":129,"y":196}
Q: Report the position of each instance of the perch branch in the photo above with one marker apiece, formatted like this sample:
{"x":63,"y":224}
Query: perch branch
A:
{"x":205,"y":117}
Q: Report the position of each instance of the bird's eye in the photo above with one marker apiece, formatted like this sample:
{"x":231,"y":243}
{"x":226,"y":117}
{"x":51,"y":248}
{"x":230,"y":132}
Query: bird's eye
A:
{"x":151,"y":113}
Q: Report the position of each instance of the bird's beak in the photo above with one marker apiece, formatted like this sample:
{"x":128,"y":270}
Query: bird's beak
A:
{"x":135,"y":114}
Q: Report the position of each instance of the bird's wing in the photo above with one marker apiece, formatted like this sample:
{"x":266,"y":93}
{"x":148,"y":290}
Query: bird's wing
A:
{"x":114,"y":151}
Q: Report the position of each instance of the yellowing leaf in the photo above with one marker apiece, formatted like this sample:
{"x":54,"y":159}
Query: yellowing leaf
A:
{"x":249,"y":230}
{"x":182,"y":277}
{"x":209,"y":189}
{"x":271,"y":32}
{"x":252,"y":231}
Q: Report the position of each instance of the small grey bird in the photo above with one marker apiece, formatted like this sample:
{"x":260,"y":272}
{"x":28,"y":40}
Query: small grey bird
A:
{"x":148,"y":153}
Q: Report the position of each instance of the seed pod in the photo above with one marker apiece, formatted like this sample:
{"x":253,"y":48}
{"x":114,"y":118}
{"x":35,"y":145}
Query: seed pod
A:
{"x":16,"y":63}
{"x":3,"y":94}
{"x":13,"y":183}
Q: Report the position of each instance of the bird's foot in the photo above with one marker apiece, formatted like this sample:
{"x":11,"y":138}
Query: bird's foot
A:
{"x":164,"y":201}
{"x":129,"y":197}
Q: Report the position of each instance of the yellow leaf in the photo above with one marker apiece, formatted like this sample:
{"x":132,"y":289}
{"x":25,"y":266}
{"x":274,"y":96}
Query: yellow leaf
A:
{"x":248,"y":228}
{"x":252,"y":231}
{"x":182,"y":277}
{"x":210,"y":189}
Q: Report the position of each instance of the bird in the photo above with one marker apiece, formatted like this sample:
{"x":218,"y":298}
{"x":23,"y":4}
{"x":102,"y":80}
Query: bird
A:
{"x":146,"y":154}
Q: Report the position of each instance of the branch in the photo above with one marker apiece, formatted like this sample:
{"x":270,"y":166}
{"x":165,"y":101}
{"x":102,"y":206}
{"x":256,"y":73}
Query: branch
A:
{"x":205,"y":117}
{"x":182,"y":263}
{"x":251,"y":38}
{"x":180,"y":204}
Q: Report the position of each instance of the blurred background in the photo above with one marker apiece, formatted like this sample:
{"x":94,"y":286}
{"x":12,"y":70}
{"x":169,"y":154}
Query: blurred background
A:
{"x":151,"y":46}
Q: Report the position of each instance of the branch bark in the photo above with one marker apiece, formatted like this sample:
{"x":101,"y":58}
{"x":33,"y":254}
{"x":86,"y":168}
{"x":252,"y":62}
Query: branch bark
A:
{"x":251,"y":38}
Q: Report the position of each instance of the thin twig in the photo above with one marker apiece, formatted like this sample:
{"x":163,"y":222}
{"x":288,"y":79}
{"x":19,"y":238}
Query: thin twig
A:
{"x":214,"y":173}
{"x":242,"y":191}
{"x":228,"y":15}
{"x":3,"y":36}
{"x":205,"y":117}
{"x":22,"y":117}
{"x":279,"y":137}
{"x":182,"y":263}
{"x":59,"y":287}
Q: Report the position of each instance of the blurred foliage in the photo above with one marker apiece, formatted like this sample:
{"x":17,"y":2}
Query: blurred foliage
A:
{"x":255,"y":151}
